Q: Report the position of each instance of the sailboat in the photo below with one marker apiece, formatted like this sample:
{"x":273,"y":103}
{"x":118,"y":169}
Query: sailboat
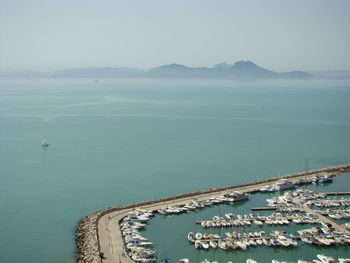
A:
{"x":45,"y":142}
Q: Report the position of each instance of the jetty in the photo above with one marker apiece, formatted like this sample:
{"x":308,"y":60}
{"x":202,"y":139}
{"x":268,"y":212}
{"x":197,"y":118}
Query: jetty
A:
{"x":326,"y":220}
{"x":263,"y":208}
{"x":338,"y":193}
{"x":99,"y":237}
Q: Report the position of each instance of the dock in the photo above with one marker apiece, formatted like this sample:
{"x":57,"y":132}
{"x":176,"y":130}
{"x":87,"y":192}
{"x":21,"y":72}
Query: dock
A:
{"x":99,"y":238}
{"x":263,"y":208}
{"x":325,"y":220}
{"x":338,"y":193}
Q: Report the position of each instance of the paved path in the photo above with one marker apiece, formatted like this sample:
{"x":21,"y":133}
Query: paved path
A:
{"x":324,"y":219}
{"x":111,"y":241}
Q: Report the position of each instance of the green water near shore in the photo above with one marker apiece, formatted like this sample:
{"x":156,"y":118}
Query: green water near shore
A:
{"x":120,"y":141}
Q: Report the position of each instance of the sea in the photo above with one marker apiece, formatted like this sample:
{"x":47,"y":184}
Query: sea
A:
{"x":117,"y":141}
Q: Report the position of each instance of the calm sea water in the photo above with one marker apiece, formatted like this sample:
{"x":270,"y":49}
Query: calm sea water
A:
{"x":120,"y":141}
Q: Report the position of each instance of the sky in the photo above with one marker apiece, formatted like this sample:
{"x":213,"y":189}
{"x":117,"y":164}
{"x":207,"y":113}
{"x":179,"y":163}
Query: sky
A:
{"x":281,"y":35}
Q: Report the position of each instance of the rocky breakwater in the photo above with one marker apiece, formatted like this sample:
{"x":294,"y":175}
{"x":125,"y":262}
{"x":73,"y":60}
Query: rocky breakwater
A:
{"x":86,"y":238}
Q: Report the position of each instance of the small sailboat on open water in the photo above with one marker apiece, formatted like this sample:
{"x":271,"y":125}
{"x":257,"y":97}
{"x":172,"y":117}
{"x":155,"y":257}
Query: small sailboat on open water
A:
{"x":45,"y":142}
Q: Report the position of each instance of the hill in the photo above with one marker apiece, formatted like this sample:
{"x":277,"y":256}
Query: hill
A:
{"x":239,"y":70}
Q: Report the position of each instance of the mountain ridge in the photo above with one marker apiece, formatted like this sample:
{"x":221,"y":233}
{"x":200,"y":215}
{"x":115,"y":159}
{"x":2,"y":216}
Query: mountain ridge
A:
{"x":239,"y":70}
{"x":243,"y":69}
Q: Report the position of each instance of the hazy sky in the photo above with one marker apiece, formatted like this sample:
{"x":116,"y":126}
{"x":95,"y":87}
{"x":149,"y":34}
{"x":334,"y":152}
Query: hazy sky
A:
{"x":280,"y":35}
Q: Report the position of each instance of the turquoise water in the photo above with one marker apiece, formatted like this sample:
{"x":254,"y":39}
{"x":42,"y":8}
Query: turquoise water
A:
{"x":120,"y":141}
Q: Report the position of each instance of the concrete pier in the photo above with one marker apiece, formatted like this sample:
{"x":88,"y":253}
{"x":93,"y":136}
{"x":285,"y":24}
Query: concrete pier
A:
{"x":98,"y":236}
{"x":338,"y":193}
{"x":326,"y":220}
{"x":263,"y":208}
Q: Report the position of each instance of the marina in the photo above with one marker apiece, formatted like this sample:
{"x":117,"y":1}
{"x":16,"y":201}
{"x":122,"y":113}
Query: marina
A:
{"x":126,"y":243}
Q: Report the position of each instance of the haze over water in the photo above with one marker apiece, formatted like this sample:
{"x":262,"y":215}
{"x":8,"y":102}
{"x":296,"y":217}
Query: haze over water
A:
{"x":121,"y":141}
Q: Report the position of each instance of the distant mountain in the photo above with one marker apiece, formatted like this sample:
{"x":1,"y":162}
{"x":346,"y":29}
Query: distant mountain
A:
{"x":178,"y":71}
{"x":239,"y":70}
{"x":222,"y":66}
{"x":170,"y":67}
{"x":106,"y":72}
{"x":172,"y":70}
{"x":247,"y":69}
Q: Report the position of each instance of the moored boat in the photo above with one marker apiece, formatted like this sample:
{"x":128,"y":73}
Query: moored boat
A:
{"x":198,"y":236}
{"x":222,"y":245}
{"x":213,"y":244}
{"x":205,"y":245}
{"x":325,"y":259}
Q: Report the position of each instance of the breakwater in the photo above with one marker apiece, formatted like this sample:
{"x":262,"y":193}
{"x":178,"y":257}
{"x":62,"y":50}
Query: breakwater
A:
{"x":87,"y":235}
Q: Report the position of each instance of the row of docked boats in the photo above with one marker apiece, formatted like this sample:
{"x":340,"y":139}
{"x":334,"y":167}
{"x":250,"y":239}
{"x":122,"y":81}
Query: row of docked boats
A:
{"x":312,"y":198}
{"x":324,"y":236}
{"x":136,"y":245}
{"x":288,"y":199}
{"x":335,"y":213}
{"x":285,"y":184}
{"x":282,"y":184}
{"x":321,"y":236}
{"x":303,"y":195}
{"x":241,"y":240}
{"x":341,"y":202}
{"x":321,"y":179}
{"x":289,"y":209}
{"x":258,"y":220}
{"x":226,"y":198}
{"x":320,"y":259}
